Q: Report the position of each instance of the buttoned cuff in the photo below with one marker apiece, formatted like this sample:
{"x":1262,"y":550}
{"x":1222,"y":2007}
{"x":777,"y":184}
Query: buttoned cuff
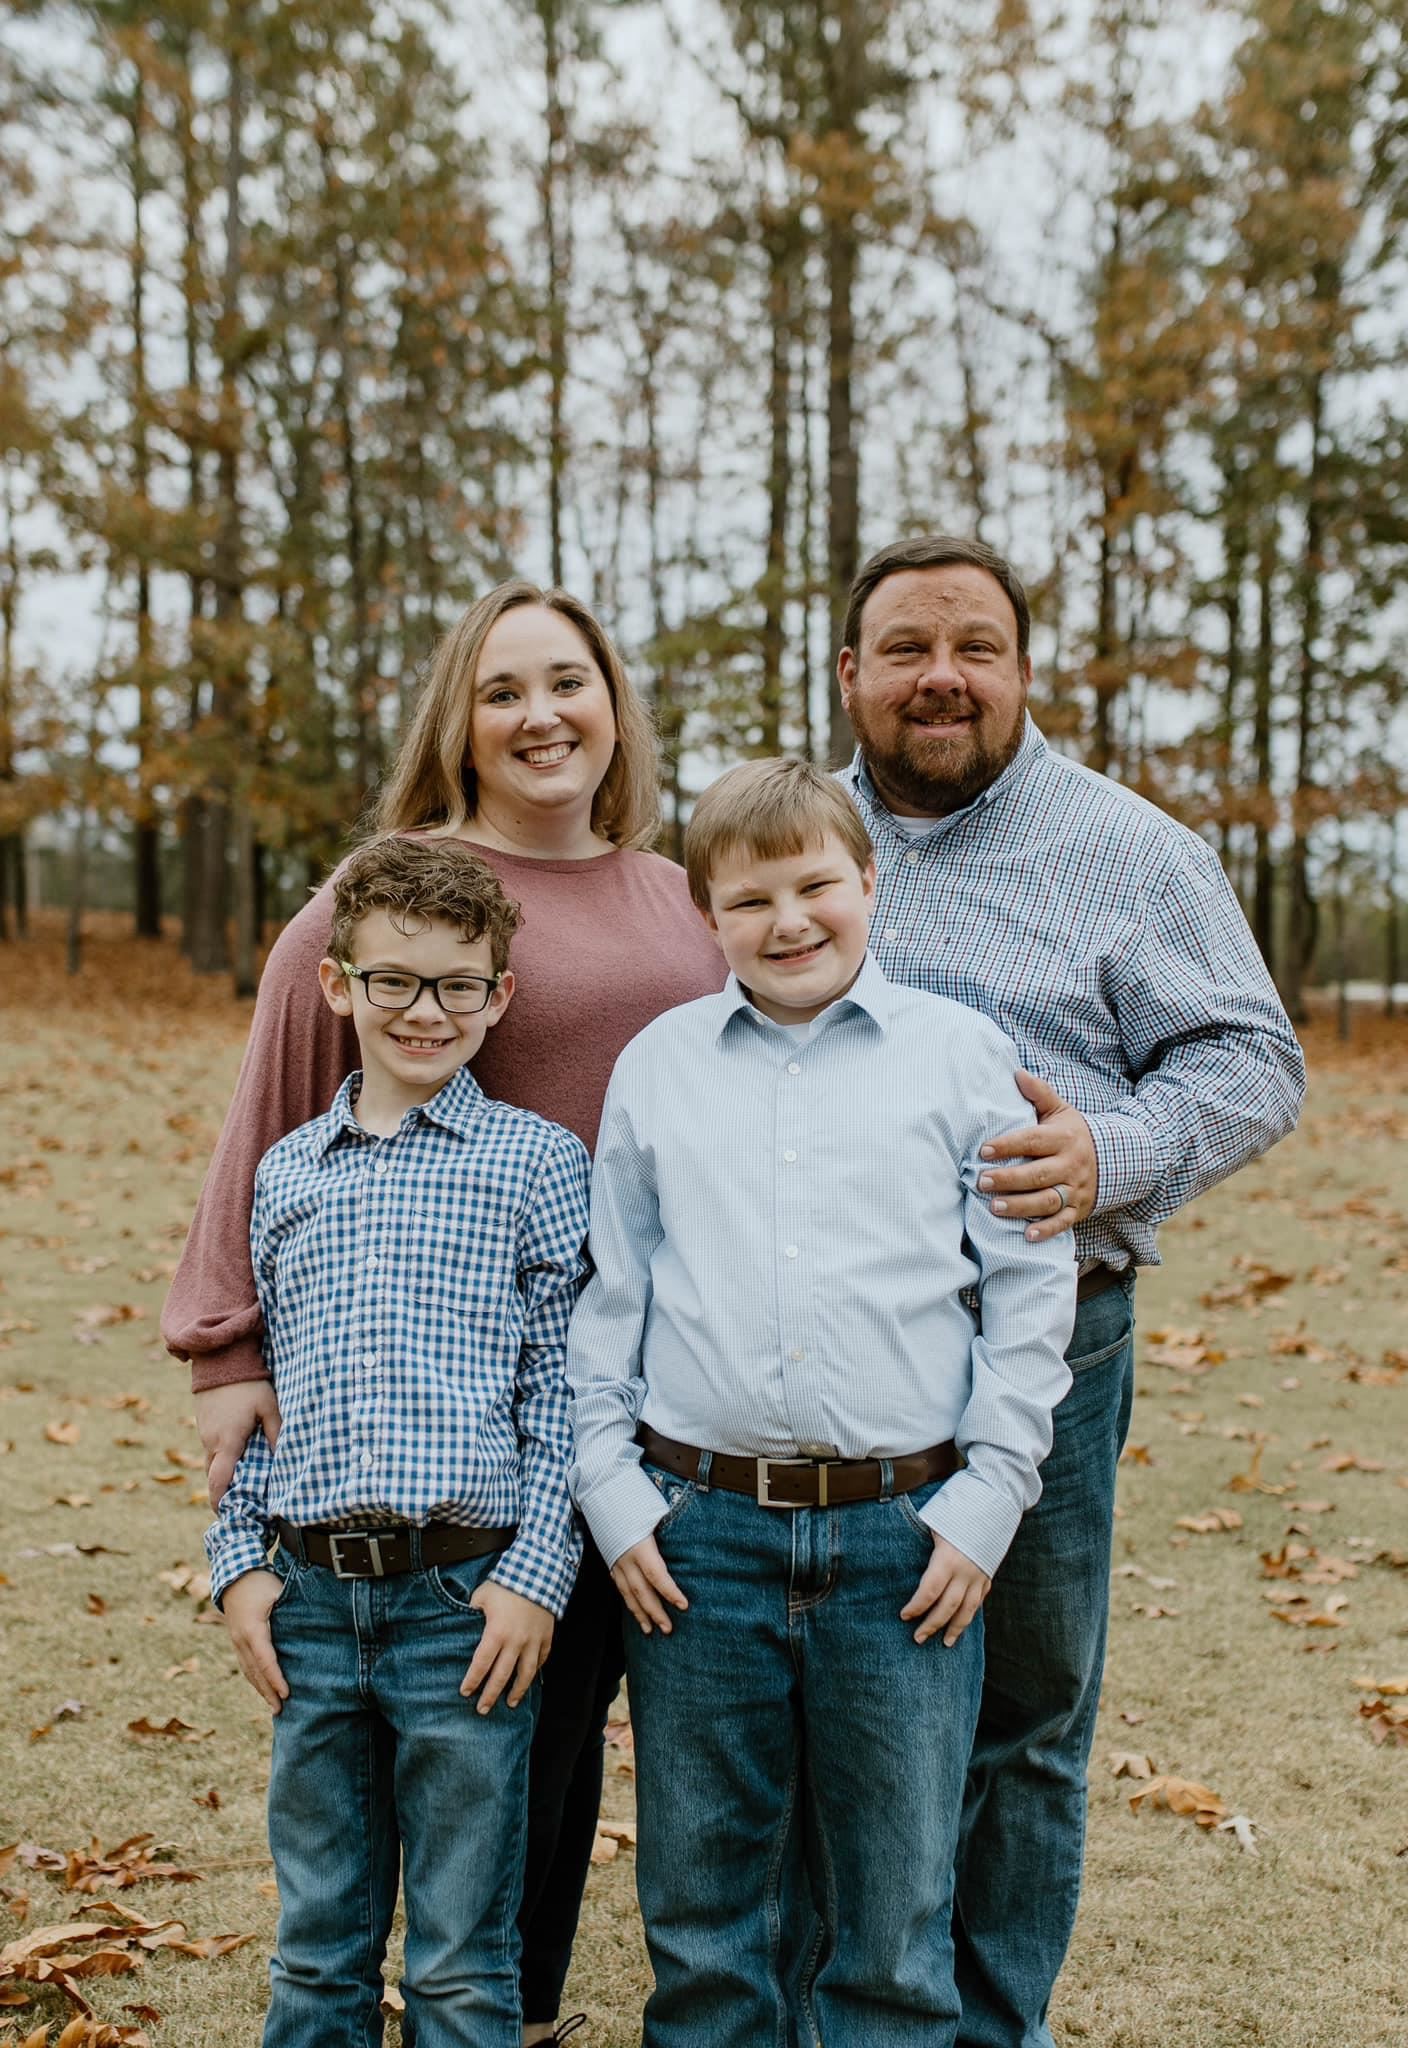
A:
{"x":1126,"y":1159}
{"x":542,"y":1573}
{"x":975,"y":1518}
{"x":622,"y":1511}
{"x":233,"y":1550}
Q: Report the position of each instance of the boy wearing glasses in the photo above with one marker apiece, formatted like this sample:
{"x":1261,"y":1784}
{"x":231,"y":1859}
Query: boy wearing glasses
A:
{"x":417,"y":1251}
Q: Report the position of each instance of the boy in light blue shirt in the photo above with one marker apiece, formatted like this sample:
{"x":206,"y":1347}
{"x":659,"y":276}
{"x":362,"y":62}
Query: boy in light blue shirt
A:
{"x":797,"y":1454}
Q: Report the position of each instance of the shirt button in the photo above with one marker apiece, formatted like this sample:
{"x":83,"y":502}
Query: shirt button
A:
{"x":371,"y":1361}
{"x":791,"y":1251}
{"x":793,"y":1067}
{"x":367,"y":1458}
{"x":371,"y":1260}
{"x":890,"y":936}
{"x":796,"y":1356}
{"x":382,"y":1167}
{"x":789,"y":1157}
{"x":911,"y":860}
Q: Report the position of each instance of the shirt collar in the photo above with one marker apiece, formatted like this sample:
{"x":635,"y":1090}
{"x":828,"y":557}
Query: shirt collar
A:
{"x":454,"y":1109}
{"x":869,"y":993}
{"x":876,"y":812}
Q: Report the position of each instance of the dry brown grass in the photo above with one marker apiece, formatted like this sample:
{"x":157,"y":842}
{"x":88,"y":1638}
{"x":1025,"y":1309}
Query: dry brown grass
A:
{"x":110,"y":1090}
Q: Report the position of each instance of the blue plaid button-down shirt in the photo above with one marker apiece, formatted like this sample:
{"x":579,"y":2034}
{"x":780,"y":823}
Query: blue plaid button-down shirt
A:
{"x":1104,"y":938}
{"x":415,"y":1291}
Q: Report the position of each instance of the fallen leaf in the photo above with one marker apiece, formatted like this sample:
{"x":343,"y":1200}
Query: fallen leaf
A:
{"x":1182,"y":1796}
{"x":1127,"y":1763}
{"x":1347,"y":1461}
{"x":210,"y":1798}
{"x":1242,"y":1828}
{"x":1392,"y":1688}
{"x":1251,"y":1480}
{"x":182,"y":1731}
{"x":96,"y":1604}
{"x":61,"y":1432}
{"x":1214,"y":1523}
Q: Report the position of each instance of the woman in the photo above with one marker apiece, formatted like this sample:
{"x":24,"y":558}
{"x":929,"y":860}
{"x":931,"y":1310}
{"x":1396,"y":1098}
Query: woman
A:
{"x":530,"y":743}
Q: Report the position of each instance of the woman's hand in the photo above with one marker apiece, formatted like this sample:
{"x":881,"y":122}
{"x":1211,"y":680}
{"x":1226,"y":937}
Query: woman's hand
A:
{"x":227,"y":1418}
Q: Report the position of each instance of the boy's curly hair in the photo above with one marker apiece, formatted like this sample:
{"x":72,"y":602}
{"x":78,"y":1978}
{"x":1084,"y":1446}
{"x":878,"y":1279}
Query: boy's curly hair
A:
{"x":414,"y":880}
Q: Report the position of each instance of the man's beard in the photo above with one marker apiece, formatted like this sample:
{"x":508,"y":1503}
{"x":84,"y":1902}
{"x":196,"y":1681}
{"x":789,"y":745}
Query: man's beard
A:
{"x":936,"y":776}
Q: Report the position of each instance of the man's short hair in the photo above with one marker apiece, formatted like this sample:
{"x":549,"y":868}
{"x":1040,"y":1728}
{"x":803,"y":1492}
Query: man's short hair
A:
{"x":936,"y":551}
{"x":769,"y":809}
{"x":414,"y":880}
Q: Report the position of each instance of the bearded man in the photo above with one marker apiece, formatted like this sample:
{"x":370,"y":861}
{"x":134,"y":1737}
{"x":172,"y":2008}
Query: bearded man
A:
{"x":1105,"y":940}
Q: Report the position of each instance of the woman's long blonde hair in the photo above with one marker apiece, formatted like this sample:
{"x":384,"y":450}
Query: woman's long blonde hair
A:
{"x":432,"y":785}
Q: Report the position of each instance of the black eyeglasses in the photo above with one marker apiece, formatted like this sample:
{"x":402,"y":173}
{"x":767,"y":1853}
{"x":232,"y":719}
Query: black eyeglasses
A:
{"x":459,"y":995}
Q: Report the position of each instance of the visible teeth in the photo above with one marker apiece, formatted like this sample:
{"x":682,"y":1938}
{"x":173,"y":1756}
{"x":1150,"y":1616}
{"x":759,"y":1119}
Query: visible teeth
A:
{"x":543,"y":757}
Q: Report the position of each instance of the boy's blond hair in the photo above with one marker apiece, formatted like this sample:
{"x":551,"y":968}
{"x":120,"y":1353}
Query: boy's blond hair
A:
{"x":769,"y":809}
{"x":420,"y":879}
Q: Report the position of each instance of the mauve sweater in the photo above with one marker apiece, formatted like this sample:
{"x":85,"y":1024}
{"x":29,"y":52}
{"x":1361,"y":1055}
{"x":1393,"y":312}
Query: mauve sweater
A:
{"x":605,"y":946}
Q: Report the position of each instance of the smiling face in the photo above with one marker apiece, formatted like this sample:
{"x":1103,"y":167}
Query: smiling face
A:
{"x":409,"y":1055}
{"x":794,"y":930}
{"x":936,"y":689}
{"x":542,"y":729}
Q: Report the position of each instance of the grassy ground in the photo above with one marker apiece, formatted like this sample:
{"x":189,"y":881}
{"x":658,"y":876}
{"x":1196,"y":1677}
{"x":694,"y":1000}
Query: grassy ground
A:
{"x":1278,"y":1291}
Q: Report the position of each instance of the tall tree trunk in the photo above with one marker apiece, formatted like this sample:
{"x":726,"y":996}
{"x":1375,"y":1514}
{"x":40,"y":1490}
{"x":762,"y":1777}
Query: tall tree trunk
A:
{"x":1263,"y":873}
{"x":1301,"y":939}
{"x":842,"y":463}
{"x":363,"y":697}
{"x":780,"y":246}
{"x":146,"y":831}
{"x":195,"y":888}
{"x":11,"y":842}
{"x":1235,"y":543}
{"x":556,"y":236}
{"x":806,"y":553}
{"x":1392,"y":957}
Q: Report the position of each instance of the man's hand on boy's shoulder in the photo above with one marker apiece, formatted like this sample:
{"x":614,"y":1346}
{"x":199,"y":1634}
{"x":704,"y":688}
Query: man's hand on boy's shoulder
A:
{"x":513,"y":1649}
{"x":948,"y":1596}
{"x":645,"y":1585}
{"x":246,"y":1606}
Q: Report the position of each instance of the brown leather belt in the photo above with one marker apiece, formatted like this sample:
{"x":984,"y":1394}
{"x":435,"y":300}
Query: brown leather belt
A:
{"x":801,"y":1482}
{"x":382,"y":1553}
{"x":1099,"y":1280}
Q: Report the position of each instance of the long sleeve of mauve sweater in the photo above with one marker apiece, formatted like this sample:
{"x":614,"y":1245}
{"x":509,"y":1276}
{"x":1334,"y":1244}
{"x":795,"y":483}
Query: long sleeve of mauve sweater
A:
{"x":605,"y":946}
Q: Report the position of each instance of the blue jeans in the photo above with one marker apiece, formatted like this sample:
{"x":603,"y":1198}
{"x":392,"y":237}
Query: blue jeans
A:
{"x":379,"y":1763}
{"x":791,"y":1699}
{"x":1024,"y":1812}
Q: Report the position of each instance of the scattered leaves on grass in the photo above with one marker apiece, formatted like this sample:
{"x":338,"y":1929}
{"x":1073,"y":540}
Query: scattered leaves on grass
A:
{"x":1296,"y":1611}
{"x":1183,"y":1351}
{"x":1347,"y":1461}
{"x":1387,"y":1719}
{"x":62,"y":1954}
{"x":179,"y":1730}
{"x":610,"y":1835}
{"x":1216,"y":1522}
{"x":1251,"y":1480}
{"x":1303,"y":1562}
{"x":1257,"y":1282}
{"x":1181,"y":1796}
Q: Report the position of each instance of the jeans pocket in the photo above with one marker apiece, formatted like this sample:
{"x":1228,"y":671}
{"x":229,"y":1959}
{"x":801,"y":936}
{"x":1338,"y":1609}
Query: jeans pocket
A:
{"x":1103,"y":1329}
{"x":678,"y":1494}
{"x":454,"y":1584}
{"x":909,"y":1505}
{"x":284,"y":1565}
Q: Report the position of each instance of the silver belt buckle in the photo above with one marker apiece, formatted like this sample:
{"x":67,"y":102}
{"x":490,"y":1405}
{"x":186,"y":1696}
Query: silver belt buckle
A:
{"x":765,"y":1465}
{"x":335,"y":1543}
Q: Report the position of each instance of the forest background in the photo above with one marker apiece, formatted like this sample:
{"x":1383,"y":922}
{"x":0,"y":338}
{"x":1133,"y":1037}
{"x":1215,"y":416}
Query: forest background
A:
{"x":317,"y":319}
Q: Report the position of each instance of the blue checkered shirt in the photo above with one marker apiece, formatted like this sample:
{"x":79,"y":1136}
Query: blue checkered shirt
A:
{"x":415,"y":1291}
{"x":1104,"y":938}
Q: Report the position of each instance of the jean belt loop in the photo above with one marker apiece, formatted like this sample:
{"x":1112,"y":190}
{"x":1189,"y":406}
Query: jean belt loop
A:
{"x":417,"y":1562}
{"x":706,"y":1466}
{"x":887,"y":1479}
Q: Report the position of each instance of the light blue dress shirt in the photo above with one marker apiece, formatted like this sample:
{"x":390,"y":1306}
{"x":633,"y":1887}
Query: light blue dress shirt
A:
{"x":782,"y":1233}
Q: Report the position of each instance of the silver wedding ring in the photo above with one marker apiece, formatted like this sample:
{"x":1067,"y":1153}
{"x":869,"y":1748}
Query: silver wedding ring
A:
{"x":1063,"y":1196}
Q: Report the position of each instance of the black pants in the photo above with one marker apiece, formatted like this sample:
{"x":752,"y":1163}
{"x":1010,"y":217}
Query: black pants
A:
{"x":580,"y":1680}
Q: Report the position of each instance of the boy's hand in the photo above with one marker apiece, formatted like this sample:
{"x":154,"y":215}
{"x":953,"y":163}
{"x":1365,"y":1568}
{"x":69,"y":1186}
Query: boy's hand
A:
{"x":246,"y":1608}
{"x":515,"y":1644}
{"x":644,"y":1584}
{"x":227,"y":1418}
{"x":948,"y":1596}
